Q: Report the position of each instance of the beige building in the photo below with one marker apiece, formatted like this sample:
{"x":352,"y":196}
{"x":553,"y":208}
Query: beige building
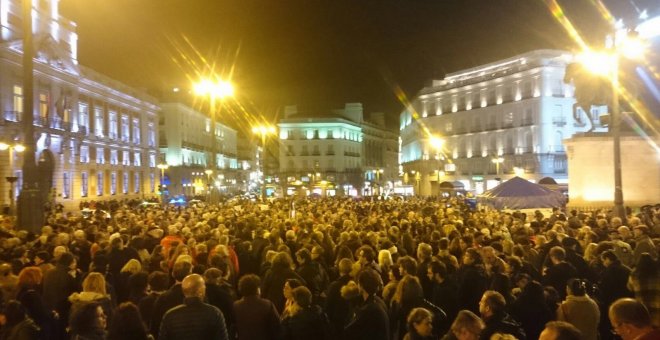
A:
{"x":100,"y":134}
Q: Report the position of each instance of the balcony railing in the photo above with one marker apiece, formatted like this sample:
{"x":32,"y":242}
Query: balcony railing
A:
{"x":524,"y":150}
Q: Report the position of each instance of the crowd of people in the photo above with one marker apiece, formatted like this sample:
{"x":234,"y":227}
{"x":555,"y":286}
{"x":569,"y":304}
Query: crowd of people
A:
{"x":331,"y":268}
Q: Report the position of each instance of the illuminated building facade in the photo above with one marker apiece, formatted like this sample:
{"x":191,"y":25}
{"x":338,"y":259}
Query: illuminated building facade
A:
{"x":498,"y":120}
{"x":98,"y":135}
{"x":187,"y":147}
{"x":337,"y":153}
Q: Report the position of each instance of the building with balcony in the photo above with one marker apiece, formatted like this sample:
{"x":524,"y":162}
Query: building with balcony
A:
{"x":498,"y":120}
{"x":99,"y":135}
{"x":199,"y":156}
{"x":338,"y":152}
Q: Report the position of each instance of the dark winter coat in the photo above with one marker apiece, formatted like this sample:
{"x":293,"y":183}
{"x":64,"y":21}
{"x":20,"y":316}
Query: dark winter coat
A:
{"x":308,"y":323}
{"x":193,"y":320}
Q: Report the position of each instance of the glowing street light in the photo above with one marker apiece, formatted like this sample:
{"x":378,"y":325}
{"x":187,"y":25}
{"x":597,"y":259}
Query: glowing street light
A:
{"x":497,"y":161}
{"x":263,"y":131}
{"x":162,"y":168}
{"x":11,"y":178}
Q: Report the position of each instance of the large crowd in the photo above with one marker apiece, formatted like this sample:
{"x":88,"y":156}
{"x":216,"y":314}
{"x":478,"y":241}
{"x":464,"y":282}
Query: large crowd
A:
{"x":331,"y":268}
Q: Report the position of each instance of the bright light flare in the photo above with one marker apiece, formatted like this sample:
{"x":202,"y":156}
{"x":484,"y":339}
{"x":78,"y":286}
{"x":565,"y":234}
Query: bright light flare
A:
{"x":19,"y":148}
{"x":4,"y":146}
{"x":437,"y":142}
{"x":599,"y":63}
{"x":497,"y":160}
{"x":217,"y":89}
{"x":632,"y":47}
{"x":263,"y":130}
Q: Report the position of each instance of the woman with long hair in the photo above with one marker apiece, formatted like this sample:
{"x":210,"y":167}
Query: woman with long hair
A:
{"x":408,"y":296}
{"x":643,"y":282}
{"x":466,"y":326}
{"x":273,"y":283}
{"x":580,"y":310}
{"x":94,"y":290}
{"x":420,"y":325}
{"x":18,"y":326}
{"x":29,"y":295}
{"x":88,"y":322}
{"x":289,"y":305}
{"x":131,"y":267}
{"x":127,"y":324}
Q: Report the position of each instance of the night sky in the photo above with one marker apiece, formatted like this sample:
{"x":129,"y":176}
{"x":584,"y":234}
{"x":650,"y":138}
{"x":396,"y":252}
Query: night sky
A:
{"x":318,"y":54}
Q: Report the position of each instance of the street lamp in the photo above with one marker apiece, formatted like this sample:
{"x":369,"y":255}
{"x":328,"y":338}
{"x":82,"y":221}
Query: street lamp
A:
{"x":497,"y":161}
{"x":607,"y":64}
{"x":208,"y":173}
{"x":437,"y":143}
{"x":263,"y":131}
{"x":162,"y":168}
{"x":215,"y":89}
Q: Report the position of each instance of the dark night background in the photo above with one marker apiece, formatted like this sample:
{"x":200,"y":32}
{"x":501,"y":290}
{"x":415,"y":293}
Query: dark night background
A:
{"x":319,"y":54}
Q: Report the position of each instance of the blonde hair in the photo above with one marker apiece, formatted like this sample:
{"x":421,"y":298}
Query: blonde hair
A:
{"x":132,"y":266}
{"x":94,"y":282}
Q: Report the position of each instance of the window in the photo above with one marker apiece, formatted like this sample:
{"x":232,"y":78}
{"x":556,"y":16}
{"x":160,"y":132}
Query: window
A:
{"x":557,"y":88}
{"x":83,"y":117}
{"x":136,"y":186}
{"x":137,"y":159}
{"x":66,"y":185}
{"x":84,"y":154}
{"x":100,"y":156}
{"x":18,"y":105}
{"x":124,"y":183}
{"x":151,"y":135}
{"x":98,"y":121}
{"x":152,"y":183}
{"x":112,"y":125}
{"x":83,"y":184}
{"x":114,"y":158}
{"x":72,"y":148}
{"x":152,"y":161}
{"x":449,"y":127}
{"x":289,"y":150}
{"x":136,"y":131}
{"x":125,"y":158}
{"x":125,"y":129}
{"x":43,"y":108}
{"x":99,"y":183}
{"x":113,"y":183}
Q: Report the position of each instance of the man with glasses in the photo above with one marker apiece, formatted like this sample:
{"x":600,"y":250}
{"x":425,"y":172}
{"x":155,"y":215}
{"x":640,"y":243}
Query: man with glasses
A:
{"x":631,"y":320}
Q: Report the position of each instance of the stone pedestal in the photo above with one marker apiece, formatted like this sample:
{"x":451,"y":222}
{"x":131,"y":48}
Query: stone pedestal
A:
{"x":591,"y":171}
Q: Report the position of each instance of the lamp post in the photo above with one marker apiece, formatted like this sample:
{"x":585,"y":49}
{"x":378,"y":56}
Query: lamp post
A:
{"x":208,"y":173}
{"x":497,"y":161}
{"x":263,"y":131}
{"x":607,"y":64}
{"x":162,"y":186}
{"x":437,"y":143}
{"x":216,"y":89}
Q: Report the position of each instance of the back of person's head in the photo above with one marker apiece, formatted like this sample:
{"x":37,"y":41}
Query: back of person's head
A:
{"x":345,"y":266}
{"x":417,"y":316}
{"x":158,"y":281}
{"x":466,"y":321}
{"x":367,"y":252}
{"x":85,"y":318}
{"x":557,"y":253}
{"x":94,"y":282}
{"x":304,"y":255}
{"x":424,"y":251}
{"x":14,"y":313}
{"x":132,"y":266}
{"x":212,"y":276}
{"x":630,"y":311}
{"x":193,"y":286}
{"x":30,"y":277}
{"x":66,"y":259}
{"x":126,"y":323}
{"x":302,"y":296}
{"x":369,"y":281}
{"x":138,"y":282}
{"x":438,"y":268}
{"x":408,"y":264}
{"x":577,"y":287}
{"x":282,"y":261}
{"x":561,"y":330}
{"x":248,"y":285}
{"x":495,"y":301}
{"x":181,"y":269}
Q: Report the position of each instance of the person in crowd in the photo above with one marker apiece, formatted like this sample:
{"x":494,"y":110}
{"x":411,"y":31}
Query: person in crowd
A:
{"x":256,"y":318}
{"x":58,"y":285}
{"x":559,"y":272}
{"x":531,"y":310}
{"x":580,"y":310}
{"x":409,"y":295}
{"x":157,"y":284}
{"x":644,"y":282}
{"x":385,"y":262}
{"x":472,"y":281}
{"x":127,"y":324}
{"x":492,"y":308}
{"x":29,"y":295}
{"x":370,"y":320}
{"x":337,"y":308}
{"x":445,"y":290}
{"x":131,"y":267}
{"x":560,"y":330}
{"x":312,"y":273}
{"x":93,"y":291}
{"x":289,"y":286}
{"x":643,"y":243}
{"x":88,"y":323}
{"x":420,"y":325}
{"x":466,"y":326}
{"x":304,"y":319}
{"x":631,"y":320}
{"x":424,"y":255}
{"x":221,"y":296}
{"x":171,"y":298}
{"x":8,"y":283}
{"x":273,"y":283}
{"x":194,"y":319}
{"x":17,"y":324}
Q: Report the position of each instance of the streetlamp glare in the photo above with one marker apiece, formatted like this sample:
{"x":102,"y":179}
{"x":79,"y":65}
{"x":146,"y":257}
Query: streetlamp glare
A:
{"x":218,"y":89}
{"x":4,"y":146}
{"x":19,"y":148}
{"x":632,"y":47}
{"x":437,"y":142}
{"x":498,"y":160}
{"x":599,"y":63}
{"x":208,"y":172}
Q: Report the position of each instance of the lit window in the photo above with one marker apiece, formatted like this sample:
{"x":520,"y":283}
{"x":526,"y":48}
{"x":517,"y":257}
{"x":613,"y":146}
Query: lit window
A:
{"x":83,"y":184}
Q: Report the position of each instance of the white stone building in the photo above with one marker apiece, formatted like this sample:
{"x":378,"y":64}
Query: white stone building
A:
{"x":102,"y":134}
{"x":187,"y":147}
{"x":498,"y":120}
{"x":339,"y":153}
